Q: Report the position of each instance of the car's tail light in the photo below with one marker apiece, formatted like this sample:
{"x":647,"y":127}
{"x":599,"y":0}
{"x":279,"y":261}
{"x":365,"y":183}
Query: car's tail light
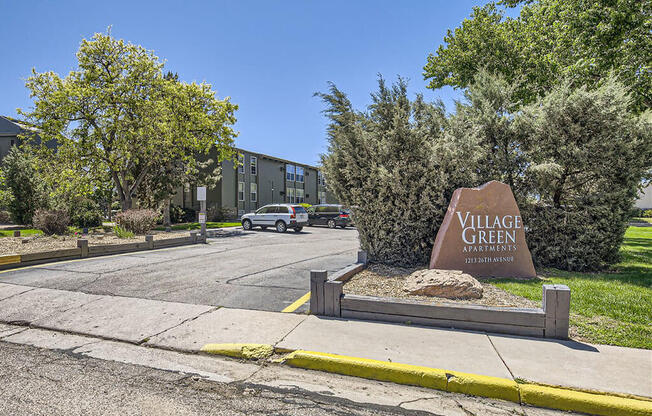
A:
{"x":293,"y":215}
{"x":344,"y":215}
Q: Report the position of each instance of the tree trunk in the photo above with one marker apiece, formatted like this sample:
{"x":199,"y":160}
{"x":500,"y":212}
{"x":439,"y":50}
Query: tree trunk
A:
{"x":166,"y":213}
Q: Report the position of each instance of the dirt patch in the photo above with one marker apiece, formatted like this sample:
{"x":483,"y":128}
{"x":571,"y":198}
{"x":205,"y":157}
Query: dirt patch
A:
{"x":36,"y":244}
{"x":387,"y":281}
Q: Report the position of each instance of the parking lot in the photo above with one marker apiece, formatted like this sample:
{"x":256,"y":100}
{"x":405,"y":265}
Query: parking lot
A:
{"x":261,"y":270}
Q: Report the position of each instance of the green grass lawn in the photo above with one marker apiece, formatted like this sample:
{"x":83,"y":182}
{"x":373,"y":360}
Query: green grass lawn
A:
{"x":23,"y":233}
{"x":642,"y":219}
{"x":613,"y":307}
{"x":196,"y":225}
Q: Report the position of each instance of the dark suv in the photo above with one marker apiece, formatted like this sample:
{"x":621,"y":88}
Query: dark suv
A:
{"x":330,"y":215}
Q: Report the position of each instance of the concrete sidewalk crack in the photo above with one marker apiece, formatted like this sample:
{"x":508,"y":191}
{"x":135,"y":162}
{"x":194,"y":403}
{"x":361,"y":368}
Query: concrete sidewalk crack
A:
{"x":289,"y":332}
{"x":21,"y":293}
{"x":185,"y":321}
{"x":501,"y":358}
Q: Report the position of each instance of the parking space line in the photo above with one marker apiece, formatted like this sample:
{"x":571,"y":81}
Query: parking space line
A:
{"x":297,"y":303}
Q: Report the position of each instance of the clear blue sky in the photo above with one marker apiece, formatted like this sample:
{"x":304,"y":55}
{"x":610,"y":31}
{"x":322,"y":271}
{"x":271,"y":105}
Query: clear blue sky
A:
{"x":268,"y":56}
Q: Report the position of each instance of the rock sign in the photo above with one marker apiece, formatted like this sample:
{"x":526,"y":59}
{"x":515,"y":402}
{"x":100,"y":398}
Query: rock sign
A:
{"x":482,"y":234}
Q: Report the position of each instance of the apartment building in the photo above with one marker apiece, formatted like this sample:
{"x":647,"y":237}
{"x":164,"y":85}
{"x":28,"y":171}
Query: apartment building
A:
{"x":259,"y":180}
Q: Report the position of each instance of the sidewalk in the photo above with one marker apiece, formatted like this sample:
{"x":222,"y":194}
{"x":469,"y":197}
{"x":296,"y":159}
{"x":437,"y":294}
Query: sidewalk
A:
{"x":186,"y":327}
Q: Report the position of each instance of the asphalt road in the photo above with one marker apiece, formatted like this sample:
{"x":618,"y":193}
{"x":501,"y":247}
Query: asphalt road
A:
{"x":42,"y":382}
{"x":261,"y":270}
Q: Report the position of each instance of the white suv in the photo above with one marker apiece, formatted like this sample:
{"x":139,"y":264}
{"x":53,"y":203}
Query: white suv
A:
{"x":279,"y":216}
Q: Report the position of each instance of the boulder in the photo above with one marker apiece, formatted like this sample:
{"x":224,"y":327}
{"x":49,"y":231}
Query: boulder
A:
{"x":449,"y":284}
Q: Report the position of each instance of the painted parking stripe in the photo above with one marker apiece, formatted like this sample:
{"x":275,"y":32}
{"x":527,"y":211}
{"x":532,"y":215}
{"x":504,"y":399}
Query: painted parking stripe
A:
{"x":297,"y":303}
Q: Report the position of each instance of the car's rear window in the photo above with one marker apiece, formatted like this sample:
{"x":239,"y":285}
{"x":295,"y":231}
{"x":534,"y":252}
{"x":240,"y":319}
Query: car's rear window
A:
{"x":299,"y":209}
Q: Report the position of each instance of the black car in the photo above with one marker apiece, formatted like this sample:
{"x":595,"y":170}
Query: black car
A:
{"x":330,"y":215}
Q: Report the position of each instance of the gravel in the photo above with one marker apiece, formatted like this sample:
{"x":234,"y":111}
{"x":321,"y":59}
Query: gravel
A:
{"x":36,"y":244}
{"x":387,"y":281}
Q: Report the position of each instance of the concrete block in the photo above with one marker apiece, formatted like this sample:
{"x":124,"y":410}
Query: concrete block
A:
{"x":83,"y":245}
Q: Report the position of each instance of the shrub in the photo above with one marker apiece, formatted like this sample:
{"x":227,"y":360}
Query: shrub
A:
{"x":122,"y":233}
{"x":5,"y":217}
{"x":51,"y":222}
{"x":138,"y":221}
{"x":218,"y":213}
{"x":178,"y":214}
{"x":396,"y":169}
{"x":647,"y":213}
{"x":85,"y":214}
{"x":24,"y":186}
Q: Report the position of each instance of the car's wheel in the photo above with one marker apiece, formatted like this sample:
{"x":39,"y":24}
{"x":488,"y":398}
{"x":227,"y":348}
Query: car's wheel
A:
{"x":246,"y":224}
{"x":298,"y":229}
{"x":331,"y":224}
{"x":263,"y":227}
{"x":343,"y":226}
{"x":281,"y":227}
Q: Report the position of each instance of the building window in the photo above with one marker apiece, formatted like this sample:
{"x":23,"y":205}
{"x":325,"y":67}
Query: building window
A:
{"x":290,"y":195}
{"x":254,"y":192}
{"x":299,"y":171}
{"x":254,"y":165}
{"x":322,"y":197}
{"x":299,"y":197}
{"x":240,"y":163}
{"x":241,"y":191}
{"x":320,"y":179}
{"x":289,"y":172}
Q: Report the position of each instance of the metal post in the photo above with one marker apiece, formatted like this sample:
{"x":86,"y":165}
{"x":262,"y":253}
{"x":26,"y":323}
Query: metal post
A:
{"x":203,"y":223}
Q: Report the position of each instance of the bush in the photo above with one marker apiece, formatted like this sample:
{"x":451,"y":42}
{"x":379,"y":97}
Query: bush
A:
{"x":51,"y":222}
{"x":219,"y":214}
{"x":5,"y":217}
{"x":178,"y":214}
{"x":24,"y":186}
{"x":138,"y":221}
{"x":647,"y":213}
{"x":122,"y":233}
{"x":86,"y":213}
{"x":396,"y":169}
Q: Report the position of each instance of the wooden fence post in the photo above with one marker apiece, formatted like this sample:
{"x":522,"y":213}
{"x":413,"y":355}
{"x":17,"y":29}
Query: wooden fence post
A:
{"x":556,"y":305}
{"x":83,"y":245}
{"x":317,"y":280}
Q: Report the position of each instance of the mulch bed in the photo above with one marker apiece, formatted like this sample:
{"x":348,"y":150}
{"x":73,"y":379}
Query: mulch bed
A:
{"x":36,"y":244}
{"x":387,"y":281}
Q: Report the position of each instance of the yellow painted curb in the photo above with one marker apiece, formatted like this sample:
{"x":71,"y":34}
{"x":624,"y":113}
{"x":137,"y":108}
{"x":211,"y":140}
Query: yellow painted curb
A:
{"x":486,"y":386}
{"x":370,"y":369}
{"x":11,"y":259}
{"x":577,"y":401}
{"x":248,"y":351}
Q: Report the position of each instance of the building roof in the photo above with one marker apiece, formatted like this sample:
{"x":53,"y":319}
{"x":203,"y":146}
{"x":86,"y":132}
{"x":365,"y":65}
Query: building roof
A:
{"x":278,"y":159}
{"x":11,"y":126}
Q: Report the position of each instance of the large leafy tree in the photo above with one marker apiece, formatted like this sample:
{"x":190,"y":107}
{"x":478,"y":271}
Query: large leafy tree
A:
{"x":117,"y":115}
{"x":578,"y":40}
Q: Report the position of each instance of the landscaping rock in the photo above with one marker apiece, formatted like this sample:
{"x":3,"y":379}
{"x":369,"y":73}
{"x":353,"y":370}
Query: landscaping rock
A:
{"x":449,"y":284}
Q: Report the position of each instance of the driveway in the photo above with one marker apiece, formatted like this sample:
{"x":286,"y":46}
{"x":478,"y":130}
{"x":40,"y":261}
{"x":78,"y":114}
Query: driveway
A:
{"x":261,"y":270}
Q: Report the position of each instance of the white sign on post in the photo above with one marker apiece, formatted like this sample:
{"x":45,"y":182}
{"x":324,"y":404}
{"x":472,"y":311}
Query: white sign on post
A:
{"x":202,"y":218}
{"x":201,"y":193}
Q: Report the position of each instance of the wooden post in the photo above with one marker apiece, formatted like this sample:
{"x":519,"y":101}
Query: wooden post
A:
{"x":317,"y":280}
{"x":149,"y":239}
{"x":83,"y":244}
{"x":362,"y":257}
{"x":332,"y":296}
{"x":193,"y":236}
{"x":203,"y":223}
{"x":556,"y":305}
{"x":17,"y":233}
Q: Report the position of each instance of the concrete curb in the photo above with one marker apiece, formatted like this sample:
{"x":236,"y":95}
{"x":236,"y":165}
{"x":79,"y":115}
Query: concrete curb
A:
{"x":598,"y":403}
{"x":246,"y":351}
